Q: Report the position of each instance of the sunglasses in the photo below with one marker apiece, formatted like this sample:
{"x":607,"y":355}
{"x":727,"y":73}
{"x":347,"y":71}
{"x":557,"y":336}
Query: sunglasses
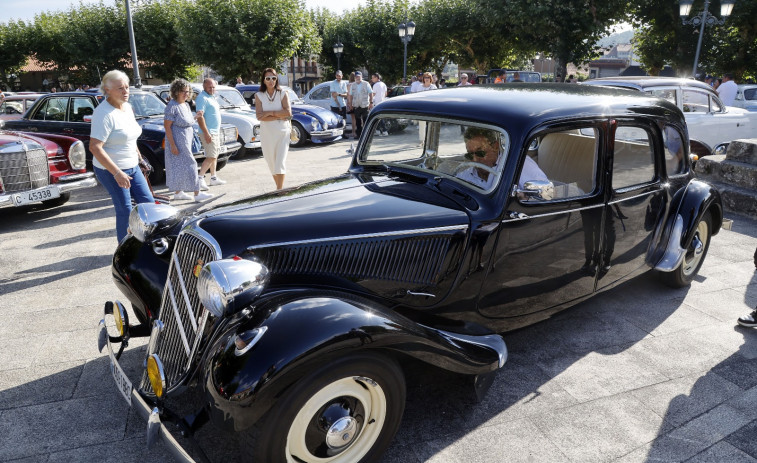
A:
{"x":269,"y":78}
{"x":478,"y":153}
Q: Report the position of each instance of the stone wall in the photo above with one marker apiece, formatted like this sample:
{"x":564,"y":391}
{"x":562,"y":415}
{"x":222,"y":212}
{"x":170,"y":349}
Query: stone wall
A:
{"x":734,"y":175}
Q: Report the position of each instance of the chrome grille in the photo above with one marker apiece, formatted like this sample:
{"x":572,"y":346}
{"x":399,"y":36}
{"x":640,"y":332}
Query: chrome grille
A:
{"x":180,"y":310}
{"x":24,"y":170}
{"x":417,"y":260}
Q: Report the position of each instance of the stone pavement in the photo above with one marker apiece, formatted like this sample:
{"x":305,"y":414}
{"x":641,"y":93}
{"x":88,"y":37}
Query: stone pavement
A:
{"x":639,"y":373}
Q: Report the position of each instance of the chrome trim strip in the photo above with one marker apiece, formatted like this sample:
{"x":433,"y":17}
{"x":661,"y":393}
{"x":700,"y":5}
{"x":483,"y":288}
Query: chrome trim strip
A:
{"x":178,"y":317}
{"x":157,"y":327}
{"x":615,"y":201}
{"x":184,"y":292}
{"x":419,"y":231}
{"x":258,"y":335}
{"x":198,"y":337}
{"x":508,"y":220}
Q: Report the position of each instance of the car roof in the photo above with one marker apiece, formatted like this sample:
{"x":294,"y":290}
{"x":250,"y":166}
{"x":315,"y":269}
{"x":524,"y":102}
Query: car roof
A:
{"x":24,"y":96}
{"x":521,"y":107}
{"x":642,"y":82}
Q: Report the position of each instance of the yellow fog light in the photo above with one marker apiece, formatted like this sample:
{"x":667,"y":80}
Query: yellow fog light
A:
{"x":156,"y":374}
{"x":119,"y":316}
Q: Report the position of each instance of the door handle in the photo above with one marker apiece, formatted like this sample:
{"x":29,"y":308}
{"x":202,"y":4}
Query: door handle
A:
{"x":68,"y":130}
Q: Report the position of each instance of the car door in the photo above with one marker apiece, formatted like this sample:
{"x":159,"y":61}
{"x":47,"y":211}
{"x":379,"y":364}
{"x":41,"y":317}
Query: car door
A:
{"x":636,"y":202}
{"x":78,"y":118}
{"x":709,"y":121}
{"x":319,"y":96}
{"x":548,"y":246}
{"x":47,"y":116}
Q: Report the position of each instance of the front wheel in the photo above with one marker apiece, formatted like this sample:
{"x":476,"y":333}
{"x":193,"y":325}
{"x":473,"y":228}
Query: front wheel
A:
{"x":345,"y":412}
{"x":298,"y":136}
{"x":694,"y":257}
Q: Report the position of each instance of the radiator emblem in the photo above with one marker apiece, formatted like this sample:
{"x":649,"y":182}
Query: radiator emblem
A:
{"x":197,"y":268}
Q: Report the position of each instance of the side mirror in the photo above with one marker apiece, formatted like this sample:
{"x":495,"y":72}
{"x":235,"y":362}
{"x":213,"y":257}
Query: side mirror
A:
{"x":542,"y":190}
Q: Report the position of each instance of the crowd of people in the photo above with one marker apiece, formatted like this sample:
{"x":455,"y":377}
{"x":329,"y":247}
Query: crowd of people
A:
{"x":725,"y":86}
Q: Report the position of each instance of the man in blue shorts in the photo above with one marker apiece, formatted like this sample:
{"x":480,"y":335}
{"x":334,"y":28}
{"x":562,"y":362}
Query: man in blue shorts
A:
{"x":209,"y":120}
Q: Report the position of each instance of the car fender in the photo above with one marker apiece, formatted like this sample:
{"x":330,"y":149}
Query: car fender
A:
{"x":306,"y":332}
{"x":680,"y":227}
{"x":244,"y":124}
{"x":305,"y":121}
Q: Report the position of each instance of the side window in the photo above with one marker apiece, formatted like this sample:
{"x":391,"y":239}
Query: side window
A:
{"x":674,"y":154}
{"x":715,"y":105}
{"x":566,"y":158}
{"x":41,"y":110}
{"x":633,"y":158}
{"x":321,"y":94}
{"x":695,"y":102}
{"x":666,"y":93}
{"x":53,"y":110}
{"x":80,"y":107}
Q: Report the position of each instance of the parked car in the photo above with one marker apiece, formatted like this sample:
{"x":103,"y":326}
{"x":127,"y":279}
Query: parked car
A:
{"x":41,"y":169}
{"x":525,"y":76}
{"x":746,"y":97}
{"x":398,"y":90}
{"x":15,"y":106}
{"x":234,"y":111}
{"x":70,"y":113}
{"x":311,"y":122}
{"x":294,"y":313}
{"x":712,"y":125}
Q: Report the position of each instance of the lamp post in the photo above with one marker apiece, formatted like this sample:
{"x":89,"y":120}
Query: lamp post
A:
{"x":338,"y":49}
{"x":702,"y":19}
{"x":134,"y":60}
{"x":406,"y":31}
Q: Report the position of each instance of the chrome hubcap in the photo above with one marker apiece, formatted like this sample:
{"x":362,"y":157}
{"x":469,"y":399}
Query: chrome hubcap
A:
{"x":696,"y":249}
{"x":342,"y":432}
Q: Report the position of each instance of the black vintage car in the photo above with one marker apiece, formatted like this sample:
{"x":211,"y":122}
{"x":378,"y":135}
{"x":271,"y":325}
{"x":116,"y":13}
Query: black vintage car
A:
{"x":294,"y":313}
{"x":69,"y":113}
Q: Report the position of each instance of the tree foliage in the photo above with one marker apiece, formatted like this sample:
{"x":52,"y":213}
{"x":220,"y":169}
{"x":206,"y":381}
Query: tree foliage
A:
{"x":157,"y":38}
{"x":243,"y":37}
{"x":14,"y":52}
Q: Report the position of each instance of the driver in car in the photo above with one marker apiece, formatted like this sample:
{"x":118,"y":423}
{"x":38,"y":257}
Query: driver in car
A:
{"x":482,"y":147}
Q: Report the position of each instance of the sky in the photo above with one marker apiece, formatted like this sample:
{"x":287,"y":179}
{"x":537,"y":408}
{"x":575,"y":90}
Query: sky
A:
{"x":26,"y":9}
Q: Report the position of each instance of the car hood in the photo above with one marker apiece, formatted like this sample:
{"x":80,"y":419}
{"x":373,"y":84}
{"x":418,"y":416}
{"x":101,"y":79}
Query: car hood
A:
{"x":328,"y":231}
{"x":247,"y":114}
{"x":316,"y":111}
{"x":7,"y":139}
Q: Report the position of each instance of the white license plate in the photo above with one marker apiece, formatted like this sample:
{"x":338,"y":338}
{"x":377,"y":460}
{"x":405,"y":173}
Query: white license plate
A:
{"x":223,"y":149}
{"x":122,"y":381}
{"x":35,"y":196}
{"x":337,"y":131}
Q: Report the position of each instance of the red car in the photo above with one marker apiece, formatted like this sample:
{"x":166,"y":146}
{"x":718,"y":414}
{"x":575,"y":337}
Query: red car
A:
{"x":41,"y":168}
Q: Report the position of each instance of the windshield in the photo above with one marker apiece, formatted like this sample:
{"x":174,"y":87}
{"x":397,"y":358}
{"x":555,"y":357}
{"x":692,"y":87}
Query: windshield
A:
{"x":293,"y":98}
{"x":146,"y":104}
{"x":469,"y":154}
{"x":230,"y":98}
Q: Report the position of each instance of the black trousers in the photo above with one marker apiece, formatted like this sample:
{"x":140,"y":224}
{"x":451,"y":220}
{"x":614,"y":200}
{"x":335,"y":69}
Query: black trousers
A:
{"x":341,"y":111}
{"x":361,"y":114}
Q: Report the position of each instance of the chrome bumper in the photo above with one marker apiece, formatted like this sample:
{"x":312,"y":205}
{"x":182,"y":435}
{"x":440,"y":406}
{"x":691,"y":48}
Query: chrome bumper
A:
{"x":86,"y":180}
{"x":252,"y":145}
{"x":155,"y":427}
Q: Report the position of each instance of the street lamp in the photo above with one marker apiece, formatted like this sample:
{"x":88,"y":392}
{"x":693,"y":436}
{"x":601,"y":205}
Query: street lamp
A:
{"x":702,"y":19}
{"x":406,"y":31}
{"x":338,"y":49}
{"x":134,"y":60}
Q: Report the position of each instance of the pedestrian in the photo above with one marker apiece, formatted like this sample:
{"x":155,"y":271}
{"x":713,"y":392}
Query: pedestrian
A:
{"x":416,"y":82}
{"x":709,"y":81}
{"x":426,"y":85}
{"x":516,"y":77}
{"x":274,"y":113}
{"x":239,"y":81}
{"x":728,"y":89}
{"x":350,"y":109}
{"x":501,"y":77}
{"x":463,"y":80}
{"x":338,"y":88}
{"x":115,"y":156}
{"x":570,"y":79}
{"x":379,"y":95}
{"x":209,"y":120}
{"x":361,"y":101}
{"x":750,"y":320}
{"x":442,"y":83}
{"x":181,"y":167}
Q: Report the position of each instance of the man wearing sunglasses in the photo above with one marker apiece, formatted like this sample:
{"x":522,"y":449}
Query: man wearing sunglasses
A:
{"x":483,"y":147}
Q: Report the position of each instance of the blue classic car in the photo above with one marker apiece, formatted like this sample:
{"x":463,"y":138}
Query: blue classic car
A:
{"x":308,"y":121}
{"x":69,"y":113}
{"x":293,"y":316}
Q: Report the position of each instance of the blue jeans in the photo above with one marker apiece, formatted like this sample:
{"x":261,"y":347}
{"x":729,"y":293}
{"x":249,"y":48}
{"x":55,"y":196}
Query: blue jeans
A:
{"x":122,"y":196}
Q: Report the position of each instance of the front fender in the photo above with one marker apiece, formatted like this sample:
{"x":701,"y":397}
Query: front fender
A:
{"x":698,"y":198}
{"x":304,"y":333}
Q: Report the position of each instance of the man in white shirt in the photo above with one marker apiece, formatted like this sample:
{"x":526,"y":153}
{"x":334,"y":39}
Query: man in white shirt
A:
{"x":379,"y":95}
{"x":727,"y":90}
{"x":416,"y":82}
{"x":361,"y":95}
{"x":464,"y":80}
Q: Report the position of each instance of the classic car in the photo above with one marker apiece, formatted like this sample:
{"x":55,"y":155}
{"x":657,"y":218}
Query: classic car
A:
{"x":293,"y":314}
{"x":70,"y":113}
{"x":712,"y":125}
{"x":746,"y":97}
{"x":14,"y":106}
{"x":234,"y":111}
{"x":493,"y":74}
{"x":398,"y":90}
{"x":311,"y":122}
{"x":41,"y":169}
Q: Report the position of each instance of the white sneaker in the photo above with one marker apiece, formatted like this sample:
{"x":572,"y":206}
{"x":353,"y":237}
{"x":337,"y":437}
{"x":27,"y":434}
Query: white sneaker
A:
{"x":199,"y":197}
{"x":217,"y":181}
{"x":203,"y":185}
{"x":181,"y":196}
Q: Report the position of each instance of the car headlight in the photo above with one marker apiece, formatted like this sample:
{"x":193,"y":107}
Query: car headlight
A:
{"x":314,"y":124}
{"x":256,"y":131}
{"x":148,"y":218}
{"x":77,"y":156}
{"x":156,"y":374}
{"x":228,"y":285}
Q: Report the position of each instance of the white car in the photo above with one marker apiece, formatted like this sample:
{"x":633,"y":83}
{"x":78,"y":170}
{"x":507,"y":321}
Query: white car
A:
{"x":746,"y":97}
{"x":320,"y":95}
{"x":234,"y":110}
{"x":712,"y":125}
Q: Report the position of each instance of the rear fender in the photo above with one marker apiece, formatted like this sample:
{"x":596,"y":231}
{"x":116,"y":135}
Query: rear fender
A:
{"x":299,"y":335}
{"x":680,"y":227}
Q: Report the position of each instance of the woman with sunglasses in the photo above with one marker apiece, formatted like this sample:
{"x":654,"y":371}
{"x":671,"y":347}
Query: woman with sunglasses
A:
{"x":274,"y":113}
{"x":181,"y":167}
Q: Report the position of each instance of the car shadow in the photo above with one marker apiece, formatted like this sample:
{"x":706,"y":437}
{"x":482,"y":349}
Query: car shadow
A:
{"x":59,"y":270}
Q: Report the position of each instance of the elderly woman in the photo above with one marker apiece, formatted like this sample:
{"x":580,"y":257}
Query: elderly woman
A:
{"x":181,"y":167}
{"x":113,"y":143}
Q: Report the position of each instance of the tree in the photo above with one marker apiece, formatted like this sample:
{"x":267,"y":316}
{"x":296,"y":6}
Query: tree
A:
{"x":157,"y":38}
{"x":13,"y":57}
{"x":243,"y":37}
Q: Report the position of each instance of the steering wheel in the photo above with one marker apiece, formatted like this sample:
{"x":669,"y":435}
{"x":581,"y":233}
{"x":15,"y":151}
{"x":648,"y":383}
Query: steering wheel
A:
{"x":464,"y":165}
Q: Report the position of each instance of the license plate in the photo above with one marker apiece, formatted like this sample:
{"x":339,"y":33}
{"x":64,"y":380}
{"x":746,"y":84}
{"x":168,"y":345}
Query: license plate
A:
{"x":122,"y":381}
{"x":35,"y":196}
{"x":337,"y":131}
{"x":223,"y":149}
